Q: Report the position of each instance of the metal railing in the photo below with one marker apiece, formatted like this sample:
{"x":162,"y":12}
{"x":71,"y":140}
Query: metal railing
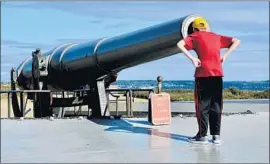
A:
{"x":128,"y":93}
{"x":21,"y":92}
{"x":128,"y":98}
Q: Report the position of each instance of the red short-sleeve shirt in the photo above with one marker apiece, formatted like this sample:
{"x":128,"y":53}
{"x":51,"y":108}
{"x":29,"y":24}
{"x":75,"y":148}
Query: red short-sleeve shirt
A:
{"x":207,"y":45}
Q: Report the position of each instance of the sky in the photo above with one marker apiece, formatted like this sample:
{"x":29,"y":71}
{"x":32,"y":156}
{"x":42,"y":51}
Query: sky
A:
{"x":26,"y":26}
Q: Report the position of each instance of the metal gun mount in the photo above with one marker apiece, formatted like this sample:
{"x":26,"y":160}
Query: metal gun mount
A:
{"x":40,"y":64}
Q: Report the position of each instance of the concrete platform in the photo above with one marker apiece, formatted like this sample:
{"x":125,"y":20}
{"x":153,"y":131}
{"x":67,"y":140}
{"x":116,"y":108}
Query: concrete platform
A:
{"x":245,"y":140}
{"x":141,"y":106}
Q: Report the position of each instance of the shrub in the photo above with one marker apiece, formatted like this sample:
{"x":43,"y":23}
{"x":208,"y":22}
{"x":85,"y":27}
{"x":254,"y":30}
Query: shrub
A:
{"x":234,"y":91}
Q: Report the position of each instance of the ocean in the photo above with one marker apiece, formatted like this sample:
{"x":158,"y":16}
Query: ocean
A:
{"x":185,"y":84}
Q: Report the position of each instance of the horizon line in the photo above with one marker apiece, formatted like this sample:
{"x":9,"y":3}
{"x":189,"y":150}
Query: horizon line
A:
{"x":2,"y":82}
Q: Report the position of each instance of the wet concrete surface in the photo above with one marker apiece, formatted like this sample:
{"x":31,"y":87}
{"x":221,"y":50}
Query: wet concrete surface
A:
{"x":245,"y":140}
{"x":141,"y":108}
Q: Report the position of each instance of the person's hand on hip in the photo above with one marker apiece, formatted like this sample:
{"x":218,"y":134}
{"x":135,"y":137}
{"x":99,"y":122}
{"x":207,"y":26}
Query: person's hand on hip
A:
{"x":196,"y":62}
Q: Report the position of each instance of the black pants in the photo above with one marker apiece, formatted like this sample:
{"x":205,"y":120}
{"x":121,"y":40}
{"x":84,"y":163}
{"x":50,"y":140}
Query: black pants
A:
{"x":208,"y":102}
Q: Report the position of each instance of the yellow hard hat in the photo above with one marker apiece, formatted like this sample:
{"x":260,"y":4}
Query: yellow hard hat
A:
{"x":200,"y":23}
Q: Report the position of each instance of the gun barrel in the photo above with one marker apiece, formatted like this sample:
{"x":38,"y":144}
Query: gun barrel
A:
{"x":73,"y":65}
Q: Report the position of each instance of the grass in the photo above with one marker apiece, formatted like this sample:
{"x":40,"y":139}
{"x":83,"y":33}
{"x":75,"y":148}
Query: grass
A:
{"x":5,"y":86}
{"x":228,"y":94}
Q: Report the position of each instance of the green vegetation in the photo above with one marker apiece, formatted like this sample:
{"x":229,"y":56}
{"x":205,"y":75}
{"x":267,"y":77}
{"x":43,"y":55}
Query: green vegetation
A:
{"x":188,"y":95}
{"x":228,"y":94}
{"x":5,"y":86}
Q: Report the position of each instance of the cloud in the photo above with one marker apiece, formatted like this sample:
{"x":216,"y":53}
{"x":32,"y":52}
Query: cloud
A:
{"x":73,"y":40}
{"x":4,"y":73}
{"x":5,"y":76}
{"x":221,"y":11}
{"x":255,"y":64}
{"x":11,"y":59}
{"x":95,"y":21}
{"x":239,"y":33}
{"x":117,"y":25}
{"x":266,"y":51}
{"x":247,"y":71}
{"x":24,"y":45}
{"x":45,"y":47}
{"x":6,"y":65}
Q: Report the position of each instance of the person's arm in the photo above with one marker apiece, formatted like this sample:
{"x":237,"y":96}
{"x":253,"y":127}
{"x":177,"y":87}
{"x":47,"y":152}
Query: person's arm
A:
{"x":181,"y":45}
{"x":231,"y":44}
{"x":184,"y":46}
{"x":235,"y":43}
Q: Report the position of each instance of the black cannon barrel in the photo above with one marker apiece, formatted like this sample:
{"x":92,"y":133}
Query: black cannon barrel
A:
{"x":73,"y":65}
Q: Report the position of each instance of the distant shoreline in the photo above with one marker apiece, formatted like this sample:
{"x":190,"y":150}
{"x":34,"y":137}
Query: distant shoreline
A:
{"x":225,"y":81}
{"x":229,"y":93}
{"x":189,"y":84}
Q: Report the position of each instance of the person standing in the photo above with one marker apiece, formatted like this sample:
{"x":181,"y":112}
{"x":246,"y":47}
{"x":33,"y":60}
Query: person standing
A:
{"x":208,"y":76}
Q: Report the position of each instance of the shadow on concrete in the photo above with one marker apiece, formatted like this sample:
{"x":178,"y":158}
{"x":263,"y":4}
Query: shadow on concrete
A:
{"x":140,"y":122}
{"x":126,"y":127}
